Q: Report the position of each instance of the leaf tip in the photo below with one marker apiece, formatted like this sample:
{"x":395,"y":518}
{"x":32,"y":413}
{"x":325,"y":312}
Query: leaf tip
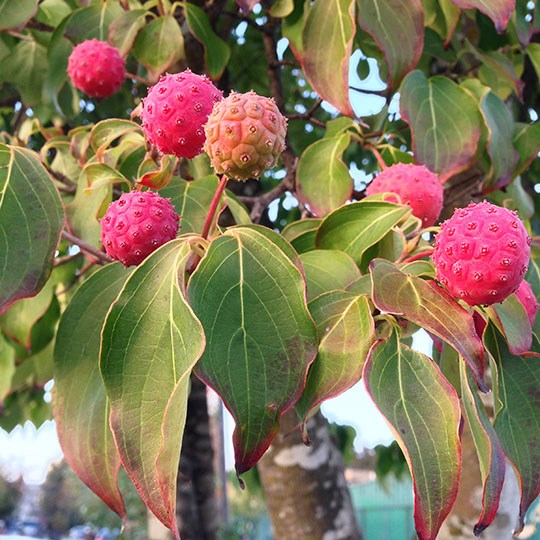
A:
{"x":479,"y":528}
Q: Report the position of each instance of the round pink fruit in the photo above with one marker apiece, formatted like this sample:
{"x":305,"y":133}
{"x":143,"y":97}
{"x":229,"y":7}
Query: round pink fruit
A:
{"x":482,"y":253}
{"x":175,"y":111}
{"x":96,"y":68}
{"x":136,"y":225}
{"x":416,"y":186}
{"x":527,"y":298}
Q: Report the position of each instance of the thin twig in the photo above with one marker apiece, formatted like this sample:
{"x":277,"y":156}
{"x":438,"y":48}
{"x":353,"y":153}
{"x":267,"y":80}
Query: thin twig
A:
{"x":59,"y":261}
{"x":87,"y":248}
{"x":139,"y":79}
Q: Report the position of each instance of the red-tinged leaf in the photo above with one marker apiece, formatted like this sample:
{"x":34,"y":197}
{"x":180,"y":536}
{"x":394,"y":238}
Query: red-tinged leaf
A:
{"x":445,"y":122}
{"x":28,"y":199}
{"x":327,"y":40}
{"x":431,"y":307}
{"x":490,"y":453}
{"x":161,"y":177}
{"x":512,"y":321}
{"x":249,"y":294}
{"x":80,"y":405}
{"x":499,"y":11}
{"x":346,"y":333}
{"x":423,"y":411}
{"x":124,"y":29}
{"x":323,"y":181}
{"x":398,"y":28}
{"x":150,"y":342}
{"x":246,"y":5}
{"x":518,"y":422}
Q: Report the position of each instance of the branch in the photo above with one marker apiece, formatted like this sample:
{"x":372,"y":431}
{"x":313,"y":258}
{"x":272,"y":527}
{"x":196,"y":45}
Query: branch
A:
{"x":101,"y":257}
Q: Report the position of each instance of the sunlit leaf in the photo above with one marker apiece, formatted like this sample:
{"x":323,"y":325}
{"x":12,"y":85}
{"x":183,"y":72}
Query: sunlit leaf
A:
{"x":150,"y":343}
{"x":398,"y":28}
{"x":29,"y":199}
{"x":327,"y":40}
{"x":423,"y":411}
{"x":282,"y":8}
{"x":124,"y":29}
{"x":444,"y":120}
{"x":430,"y":306}
{"x":250,"y":298}
{"x":81,"y":408}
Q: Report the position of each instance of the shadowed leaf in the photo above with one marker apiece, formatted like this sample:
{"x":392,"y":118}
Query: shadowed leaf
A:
{"x":150,"y":343}
{"x":430,"y":306}
{"x":15,"y":14}
{"x":250,"y":297}
{"x":301,"y":234}
{"x":499,"y":11}
{"x":327,"y":40}
{"x":423,"y":411}
{"x":93,"y":21}
{"x":29,"y":199}
{"x":81,"y":408}
{"x":512,"y":321}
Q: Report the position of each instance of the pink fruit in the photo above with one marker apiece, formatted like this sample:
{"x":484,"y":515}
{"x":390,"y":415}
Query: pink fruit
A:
{"x":482,"y":253}
{"x":416,"y":185}
{"x":527,"y":298}
{"x":245,"y":135}
{"x":136,"y":225}
{"x":96,"y":68}
{"x":175,"y":111}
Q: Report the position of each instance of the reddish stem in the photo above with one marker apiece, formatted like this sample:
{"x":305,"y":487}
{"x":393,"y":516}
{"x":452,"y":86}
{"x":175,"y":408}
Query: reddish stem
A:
{"x":378,"y":157}
{"x":213,"y":207}
{"x":418,"y":256}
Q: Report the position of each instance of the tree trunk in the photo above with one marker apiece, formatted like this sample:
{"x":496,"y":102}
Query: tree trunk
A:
{"x":197,"y":514}
{"x":306,"y":491}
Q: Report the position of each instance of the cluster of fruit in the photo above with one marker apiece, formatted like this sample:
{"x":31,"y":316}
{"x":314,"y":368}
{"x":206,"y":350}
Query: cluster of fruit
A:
{"x":481,"y":254}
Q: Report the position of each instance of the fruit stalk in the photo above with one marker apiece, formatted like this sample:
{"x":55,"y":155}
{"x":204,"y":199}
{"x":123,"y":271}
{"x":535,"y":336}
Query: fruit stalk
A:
{"x":213,"y":206}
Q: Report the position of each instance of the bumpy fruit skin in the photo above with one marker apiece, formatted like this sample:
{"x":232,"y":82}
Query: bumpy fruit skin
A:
{"x":528,"y":300}
{"x":175,"y":111}
{"x":482,"y":253}
{"x":416,"y":185}
{"x":96,"y":68}
{"x":245,"y":135}
{"x":136,"y":225}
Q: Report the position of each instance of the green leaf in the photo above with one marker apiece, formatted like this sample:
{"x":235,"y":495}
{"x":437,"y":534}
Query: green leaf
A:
{"x":53,"y":12}
{"x":518,"y":422}
{"x":7,"y":368}
{"x":327,"y":41}
{"x":346,"y":332}
{"x":356,"y":227}
{"x":159,"y":45}
{"x":16,"y":14}
{"x":81,"y":408}
{"x":216,"y":51}
{"x":499,"y":72}
{"x":442,"y":16}
{"x":250,"y":297}
{"x":398,"y":28}
{"x":25,"y":67}
{"x":301,"y":234}
{"x":444,"y":120}
{"x":499,"y":11}
{"x":323,"y":181}
{"x":527,"y":143}
{"x":328,"y":270}
{"x":423,"y":410}
{"x":292,"y":27}
{"x":93,"y":22}
{"x":104,"y":133}
{"x":150,"y":343}
{"x":282,"y":8}
{"x":488,"y":449}
{"x":124,"y":29}
{"x":28,"y":199}
{"x":431,"y":307}
{"x":533,"y":52}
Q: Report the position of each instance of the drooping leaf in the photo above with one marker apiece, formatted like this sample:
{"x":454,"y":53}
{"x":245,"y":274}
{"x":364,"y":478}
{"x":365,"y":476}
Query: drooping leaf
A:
{"x":81,"y":408}
{"x":328,"y":270}
{"x":159,"y":45}
{"x":150,"y":343}
{"x":216,"y":51}
{"x":98,"y":175}
{"x":28,"y":199}
{"x":518,"y":422}
{"x":104,"y":133}
{"x":346,"y":332}
{"x":499,"y":11}
{"x":442,"y":16}
{"x":499,"y":73}
{"x":356,"y":227}
{"x":282,"y":8}
{"x":124,"y":29}
{"x":293,"y":27}
{"x":430,"y":306}
{"x":159,"y":176}
{"x":398,"y":28}
{"x":423,"y":411}
{"x":444,"y":120}
{"x":323,"y":181}
{"x":250,"y":297}
{"x":327,"y":40}
{"x":93,"y":22}
{"x":512,"y":321}
{"x":16,"y":14}
{"x":488,"y":449}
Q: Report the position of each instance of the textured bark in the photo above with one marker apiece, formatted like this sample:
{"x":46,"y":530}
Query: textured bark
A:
{"x":306,"y":491}
{"x":196,"y":502}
